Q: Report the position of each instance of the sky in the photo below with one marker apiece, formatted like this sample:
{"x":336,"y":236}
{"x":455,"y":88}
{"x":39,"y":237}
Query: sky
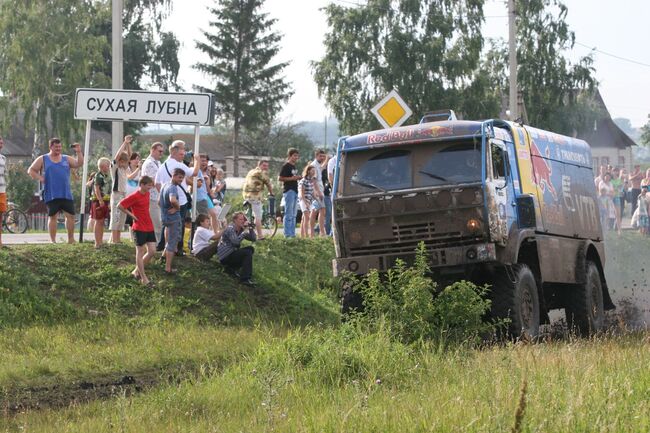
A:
{"x":618,"y":29}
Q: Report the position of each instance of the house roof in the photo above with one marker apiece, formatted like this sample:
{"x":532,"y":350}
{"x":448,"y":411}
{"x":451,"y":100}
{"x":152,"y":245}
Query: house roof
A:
{"x":606,"y":133}
{"x":19,"y":144}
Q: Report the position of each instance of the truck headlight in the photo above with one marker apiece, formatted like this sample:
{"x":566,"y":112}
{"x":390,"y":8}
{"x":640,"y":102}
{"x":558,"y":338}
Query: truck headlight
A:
{"x":473,"y":225}
{"x":356,"y":238}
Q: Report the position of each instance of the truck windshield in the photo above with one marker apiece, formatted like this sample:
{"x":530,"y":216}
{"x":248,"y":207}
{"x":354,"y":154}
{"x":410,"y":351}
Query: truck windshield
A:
{"x":450,"y":163}
{"x":386,"y":171}
{"x":413,"y":166}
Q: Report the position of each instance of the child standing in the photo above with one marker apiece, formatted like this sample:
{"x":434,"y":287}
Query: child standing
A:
{"x":99,"y":207}
{"x":305,"y":198}
{"x":136,"y":205}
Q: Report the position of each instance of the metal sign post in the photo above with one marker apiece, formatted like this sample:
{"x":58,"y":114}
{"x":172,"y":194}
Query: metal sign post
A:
{"x":84,"y":179}
{"x":139,"y":106}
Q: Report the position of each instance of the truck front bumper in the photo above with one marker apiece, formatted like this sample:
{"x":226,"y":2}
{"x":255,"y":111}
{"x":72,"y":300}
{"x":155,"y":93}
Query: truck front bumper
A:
{"x":438,"y":258}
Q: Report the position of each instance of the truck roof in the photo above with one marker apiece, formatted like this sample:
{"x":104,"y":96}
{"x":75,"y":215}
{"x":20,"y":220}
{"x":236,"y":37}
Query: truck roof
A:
{"x":556,"y":146}
{"x":455,"y":129}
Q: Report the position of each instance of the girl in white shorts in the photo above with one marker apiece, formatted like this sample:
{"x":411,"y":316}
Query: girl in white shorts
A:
{"x":305,"y":197}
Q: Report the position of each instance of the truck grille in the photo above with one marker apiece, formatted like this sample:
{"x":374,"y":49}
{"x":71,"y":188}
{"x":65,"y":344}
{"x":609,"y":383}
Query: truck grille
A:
{"x":406,"y":238}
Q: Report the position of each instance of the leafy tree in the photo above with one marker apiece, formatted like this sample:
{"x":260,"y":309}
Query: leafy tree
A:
{"x":20,"y":186}
{"x":241,"y":45}
{"x":645,"y":135}
{"x":274,"y":140}
{"x":150,"y":55}
{"x":557,"y":94}
{"x":50,"y":48}
{"x":47,"y":49}
{"x":427,"y":50}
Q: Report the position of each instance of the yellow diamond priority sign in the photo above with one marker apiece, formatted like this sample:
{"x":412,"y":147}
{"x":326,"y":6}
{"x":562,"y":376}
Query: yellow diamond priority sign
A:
{"x":391,"y":111}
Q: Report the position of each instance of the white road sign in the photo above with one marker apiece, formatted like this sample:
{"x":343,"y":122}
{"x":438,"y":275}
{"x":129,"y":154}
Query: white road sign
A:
{"x":142,"y":106}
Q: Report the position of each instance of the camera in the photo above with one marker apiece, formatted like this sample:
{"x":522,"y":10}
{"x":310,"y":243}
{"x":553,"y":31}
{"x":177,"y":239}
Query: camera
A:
{"x":251,"y":225}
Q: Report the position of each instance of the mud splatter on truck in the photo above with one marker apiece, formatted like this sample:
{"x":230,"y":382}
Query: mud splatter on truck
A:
{"x":493,"y":201}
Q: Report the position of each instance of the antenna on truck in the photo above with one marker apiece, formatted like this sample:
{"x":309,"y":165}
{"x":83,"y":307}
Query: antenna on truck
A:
{"x":438,"y":116}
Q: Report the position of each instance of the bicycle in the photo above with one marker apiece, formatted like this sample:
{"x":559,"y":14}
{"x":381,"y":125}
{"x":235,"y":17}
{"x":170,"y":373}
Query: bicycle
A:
{"x":14,"y":220}
{"x":269,"y":222}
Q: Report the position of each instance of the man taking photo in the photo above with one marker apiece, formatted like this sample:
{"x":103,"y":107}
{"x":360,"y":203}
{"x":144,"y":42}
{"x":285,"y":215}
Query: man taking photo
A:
{"x":237,"y":261}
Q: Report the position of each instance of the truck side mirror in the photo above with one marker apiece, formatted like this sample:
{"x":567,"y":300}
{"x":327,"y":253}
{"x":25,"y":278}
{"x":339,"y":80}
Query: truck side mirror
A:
{"x":526,"y":211}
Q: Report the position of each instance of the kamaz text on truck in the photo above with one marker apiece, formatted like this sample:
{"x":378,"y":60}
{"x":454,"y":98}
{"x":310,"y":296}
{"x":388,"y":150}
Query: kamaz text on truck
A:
{"x":493,"y":202}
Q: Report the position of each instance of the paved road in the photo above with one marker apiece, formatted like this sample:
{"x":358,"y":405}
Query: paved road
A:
{"x":44,"y":238}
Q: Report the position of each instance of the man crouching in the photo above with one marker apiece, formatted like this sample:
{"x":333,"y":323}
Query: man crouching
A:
{"x":229,"y":252}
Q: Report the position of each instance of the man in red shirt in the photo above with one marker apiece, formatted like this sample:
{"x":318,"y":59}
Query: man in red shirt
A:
{"x":136,"y":205}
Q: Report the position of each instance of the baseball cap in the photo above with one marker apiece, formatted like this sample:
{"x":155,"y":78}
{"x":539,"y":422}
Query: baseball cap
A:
{"x":210,"y":163}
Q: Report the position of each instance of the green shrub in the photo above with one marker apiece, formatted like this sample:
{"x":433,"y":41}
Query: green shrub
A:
{"x":407,"y":301}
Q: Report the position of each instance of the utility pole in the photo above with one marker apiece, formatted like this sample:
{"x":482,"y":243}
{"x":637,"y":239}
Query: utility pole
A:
{"x":512,"y":54}
{"x":118,"y":69}
{"x":325,"y":136}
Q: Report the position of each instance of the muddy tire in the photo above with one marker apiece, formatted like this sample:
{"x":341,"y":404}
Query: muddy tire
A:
{"x":585,"y":313}
{"x":517,"y":301}
{"x":351,"y":300}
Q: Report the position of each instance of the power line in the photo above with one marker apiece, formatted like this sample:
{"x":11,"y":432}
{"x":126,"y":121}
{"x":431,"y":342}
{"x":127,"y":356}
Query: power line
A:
{"x":614,"y":55}
{"x":358,"y":3}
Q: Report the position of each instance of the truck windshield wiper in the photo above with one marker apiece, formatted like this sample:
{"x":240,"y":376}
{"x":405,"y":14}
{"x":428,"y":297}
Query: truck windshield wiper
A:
{"x":435,"y":176}
{"x":367,"y":185}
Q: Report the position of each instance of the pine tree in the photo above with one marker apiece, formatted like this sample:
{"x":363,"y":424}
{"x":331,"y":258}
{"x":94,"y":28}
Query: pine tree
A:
{"x":248,"y":87}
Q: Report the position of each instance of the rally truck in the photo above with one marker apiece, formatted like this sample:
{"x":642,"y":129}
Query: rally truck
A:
{"x":494,"y":202}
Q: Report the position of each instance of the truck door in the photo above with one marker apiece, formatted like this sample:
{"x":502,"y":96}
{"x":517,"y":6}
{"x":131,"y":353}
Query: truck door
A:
{"x":500,"y":192}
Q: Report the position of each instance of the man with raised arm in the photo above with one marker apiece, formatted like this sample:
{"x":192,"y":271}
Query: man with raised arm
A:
{"x":53,"y":171}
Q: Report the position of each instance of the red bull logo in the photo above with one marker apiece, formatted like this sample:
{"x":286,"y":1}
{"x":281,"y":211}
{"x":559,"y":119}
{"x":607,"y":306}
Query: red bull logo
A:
{"x":439,"y":131}
{"x":542,"y":170}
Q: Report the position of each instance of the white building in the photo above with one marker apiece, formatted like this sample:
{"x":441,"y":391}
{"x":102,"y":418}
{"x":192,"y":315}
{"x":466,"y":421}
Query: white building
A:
{"x":609,"y":144}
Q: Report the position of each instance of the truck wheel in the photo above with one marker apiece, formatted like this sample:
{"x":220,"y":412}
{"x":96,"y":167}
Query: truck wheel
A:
{"x":351,"y":300}
{"x":585,"y":312}
{"x":517,"y":300}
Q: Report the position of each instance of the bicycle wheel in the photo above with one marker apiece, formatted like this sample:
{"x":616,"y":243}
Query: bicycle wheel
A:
{"x":16,"y":221}
{"x":271,"y":224}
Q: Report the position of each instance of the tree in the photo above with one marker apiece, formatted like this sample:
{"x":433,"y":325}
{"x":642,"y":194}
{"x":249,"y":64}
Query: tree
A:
{"x":47,"y":49}
{"x":274,"y":140}
{"x":645,"y":135}
{"x":150,"y":55}
{"x":558,"y":95}
{"x":50,"y":48}
{"x":20,"y":186}
{"x":427,"y":50}
{"x":248,"y":87}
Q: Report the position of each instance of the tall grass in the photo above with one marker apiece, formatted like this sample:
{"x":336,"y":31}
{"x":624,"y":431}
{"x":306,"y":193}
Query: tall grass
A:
{"x":372,"y":385}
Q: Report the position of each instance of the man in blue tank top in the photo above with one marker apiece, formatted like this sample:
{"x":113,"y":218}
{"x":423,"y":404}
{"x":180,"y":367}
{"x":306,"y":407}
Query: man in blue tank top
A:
{"x":53,"y":171}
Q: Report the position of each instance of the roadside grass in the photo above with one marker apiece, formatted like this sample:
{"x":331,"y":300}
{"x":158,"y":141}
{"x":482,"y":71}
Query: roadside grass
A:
{"x":70,"y":314}
{"x":319,"y":380}
{"x":52,"y":284}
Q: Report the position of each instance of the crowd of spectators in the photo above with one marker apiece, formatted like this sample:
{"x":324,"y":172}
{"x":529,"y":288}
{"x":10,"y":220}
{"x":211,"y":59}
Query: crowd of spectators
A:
{"x":616,"y":189}
{"x":153,"y":197}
